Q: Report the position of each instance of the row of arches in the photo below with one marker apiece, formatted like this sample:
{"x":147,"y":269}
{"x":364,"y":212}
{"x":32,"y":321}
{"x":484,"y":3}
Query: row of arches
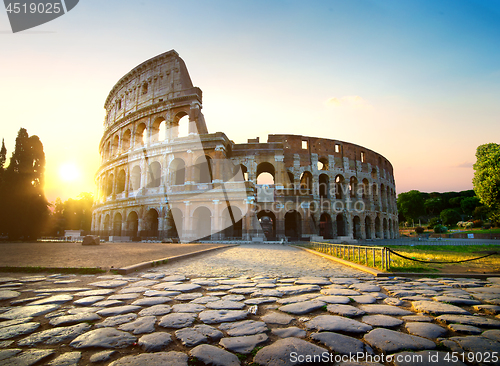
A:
{"x":330,"y":227}
{"x":383,"y":196}
{"x":140,"y":135}
{"x":201,"y":172}
{"x":201,"y":224}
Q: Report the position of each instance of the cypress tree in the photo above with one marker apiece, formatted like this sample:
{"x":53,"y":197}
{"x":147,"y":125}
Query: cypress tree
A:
{"x":25,"y":205}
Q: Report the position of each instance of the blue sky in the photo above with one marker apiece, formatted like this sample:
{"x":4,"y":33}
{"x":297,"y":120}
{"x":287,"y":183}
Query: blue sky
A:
{"x":417,"y":81}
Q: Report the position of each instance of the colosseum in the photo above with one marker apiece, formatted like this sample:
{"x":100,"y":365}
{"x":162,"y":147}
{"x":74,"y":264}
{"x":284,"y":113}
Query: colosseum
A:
{"x":163,"y":176}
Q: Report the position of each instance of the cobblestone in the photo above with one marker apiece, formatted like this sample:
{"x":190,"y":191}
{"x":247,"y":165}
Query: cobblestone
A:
{"x":224,"y":306}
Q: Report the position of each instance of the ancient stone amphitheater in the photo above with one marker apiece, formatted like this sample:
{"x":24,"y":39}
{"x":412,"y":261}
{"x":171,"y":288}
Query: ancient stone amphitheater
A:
{"x":163,"y":175}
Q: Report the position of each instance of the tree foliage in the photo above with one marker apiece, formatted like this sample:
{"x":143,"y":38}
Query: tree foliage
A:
{"x":73,"y":214}
{"x":487,"y":178}
{"x":411,"y":204}
{"x":24,"y":208}
{"x":450,"y":217}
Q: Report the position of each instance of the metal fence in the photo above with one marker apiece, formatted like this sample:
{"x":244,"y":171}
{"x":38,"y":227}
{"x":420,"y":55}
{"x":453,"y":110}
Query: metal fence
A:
{"x":370,"y":256}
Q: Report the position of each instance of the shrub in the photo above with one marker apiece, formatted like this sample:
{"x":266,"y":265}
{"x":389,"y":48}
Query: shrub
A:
{"x":440,"y":229}
{"x":433,"y":222}
{"x":419,"y":230}
{"x":477,"y":223}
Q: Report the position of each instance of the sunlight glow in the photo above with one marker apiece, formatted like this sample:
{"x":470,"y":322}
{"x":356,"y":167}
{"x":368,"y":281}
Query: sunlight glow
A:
{"x":69,"y":172}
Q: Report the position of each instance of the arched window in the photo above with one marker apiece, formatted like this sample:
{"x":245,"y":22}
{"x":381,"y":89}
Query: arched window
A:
{"x":339,"y":187}
{"x":353,"y":187}
{"x":109,"y":184}
{"x":306,"y":183}
{"x":157,"y":128}
{"x":120,"y":181}
{"x":202,"y":223}
{"x":203,"y":170}
{"x":135,"y":178}
{"x":116,"y":143}
{"x":141,"y":135}
{"x":177,"y":172}
{"x":322,"y":164}
{"x":126,"y":140}
{"x":265,"y":173}
{"x":154,"y":176}
{"x":324,"y":186}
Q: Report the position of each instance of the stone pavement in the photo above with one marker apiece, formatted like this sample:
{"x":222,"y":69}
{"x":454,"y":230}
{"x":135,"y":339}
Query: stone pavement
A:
{"x":248,"y":305}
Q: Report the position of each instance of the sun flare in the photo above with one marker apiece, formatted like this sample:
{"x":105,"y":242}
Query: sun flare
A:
{"x":69,"y":172}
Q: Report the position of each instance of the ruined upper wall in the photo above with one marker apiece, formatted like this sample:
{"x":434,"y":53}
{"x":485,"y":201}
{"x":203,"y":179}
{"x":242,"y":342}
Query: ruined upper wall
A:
{"x":161,"y":79}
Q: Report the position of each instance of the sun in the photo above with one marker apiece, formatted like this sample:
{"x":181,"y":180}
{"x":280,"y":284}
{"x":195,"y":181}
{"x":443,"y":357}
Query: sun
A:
{"x":69,"y":172}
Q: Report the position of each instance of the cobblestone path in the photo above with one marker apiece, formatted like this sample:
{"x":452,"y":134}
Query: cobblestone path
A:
{"x":248,"y":305}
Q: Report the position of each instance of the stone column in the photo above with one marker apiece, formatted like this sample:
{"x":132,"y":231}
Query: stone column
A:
{"x":216,"y":220}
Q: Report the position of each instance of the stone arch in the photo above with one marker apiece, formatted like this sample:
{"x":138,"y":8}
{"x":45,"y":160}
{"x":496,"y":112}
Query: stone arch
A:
{"x":353,"y":187}
{"x":203,"y":170}
{"x":177,"y":172}
{"x":127,"y":136}
{"x":368,"y":227}
{"x":176,"y":224}
{"x":202,"y":223}
{"x":293,"y":227}
{"x":374,"y":174}
{"x":365,"y":194}
{"x":267,"y":220}
{"x":135,"y":178}
{"x":383,"y":200}
{"x":240,"y":173}
{"x":140,"y":137}
{"x":132,"y":224}
{"x":106,"y":225}
{"x":378,"y":229}
{"x":341,"y":225}
{"x":356,"y":228}
{"x":265,"y":173}
{"x":386,"y":233}
{"x":157,"y":128}
{"x":120,"y":181}
{"x":115,"y":146}
{"x":154,"y":176}
{"x":375,"y":196}
{"x":339,"y":187}
{"x":291,"y":179}
{"x":390,"y":229}
{"x":306,"y":182}
{"x":151,"y":224}
{"x":107,"y":152}
{"x":323,"y":163}
{"x":117,"y":224}
{"x":325,"y":226}
{"x":324,"y":186}
{"x":180,"y":125}
{"x":232,"y":224}
{"x":109,"y":185}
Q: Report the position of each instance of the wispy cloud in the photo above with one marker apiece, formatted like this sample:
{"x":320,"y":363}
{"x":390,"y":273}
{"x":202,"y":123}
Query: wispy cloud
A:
{"x":348,"y":101}
{"x":466,"y":164}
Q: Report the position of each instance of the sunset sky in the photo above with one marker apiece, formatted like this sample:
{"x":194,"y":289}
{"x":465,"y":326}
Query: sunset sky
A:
{"x":416,"y":81}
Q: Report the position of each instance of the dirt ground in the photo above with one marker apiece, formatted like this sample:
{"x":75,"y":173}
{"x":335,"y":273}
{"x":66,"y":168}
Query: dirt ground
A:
{"x":105,"y":255}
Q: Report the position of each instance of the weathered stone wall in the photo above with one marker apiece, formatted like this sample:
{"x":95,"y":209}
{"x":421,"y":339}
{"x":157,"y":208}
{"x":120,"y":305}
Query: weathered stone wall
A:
{"x":155,"y":183}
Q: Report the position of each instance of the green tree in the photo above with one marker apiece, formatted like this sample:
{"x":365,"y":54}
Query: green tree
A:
{"x":469,"y":204}
{"x":450,"y":217}
{"x":486,"y":179}
{"x":24,"y":204}
{"x":411,"y":205}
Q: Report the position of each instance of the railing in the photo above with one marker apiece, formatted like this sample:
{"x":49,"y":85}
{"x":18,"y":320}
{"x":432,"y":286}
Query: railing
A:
{"x":370,"y":256}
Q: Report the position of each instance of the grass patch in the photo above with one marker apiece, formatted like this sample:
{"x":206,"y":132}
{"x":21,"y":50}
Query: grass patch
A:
{"x":445,"y":253}
{"x":83,"y":270}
